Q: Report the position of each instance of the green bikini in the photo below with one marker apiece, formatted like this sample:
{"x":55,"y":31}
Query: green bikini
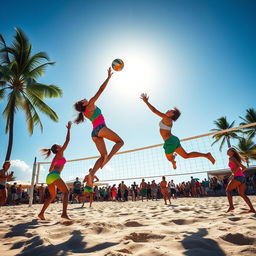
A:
{"x":88,"y":189}
{"x":172,"y":143}
{"x":55,"y":175}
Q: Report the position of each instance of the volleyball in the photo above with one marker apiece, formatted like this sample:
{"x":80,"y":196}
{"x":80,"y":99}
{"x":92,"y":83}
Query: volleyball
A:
{"x":117,"y":64}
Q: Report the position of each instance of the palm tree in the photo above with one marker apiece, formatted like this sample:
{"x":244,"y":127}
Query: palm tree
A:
{"x":247,"y":149}
{"x":19,"y":71}
{"x":249,"y":118}
{"x":222,"y":124}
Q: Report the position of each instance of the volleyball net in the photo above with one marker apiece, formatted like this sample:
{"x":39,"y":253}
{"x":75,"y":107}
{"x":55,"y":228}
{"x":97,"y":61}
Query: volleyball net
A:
{"x":150,"y":162}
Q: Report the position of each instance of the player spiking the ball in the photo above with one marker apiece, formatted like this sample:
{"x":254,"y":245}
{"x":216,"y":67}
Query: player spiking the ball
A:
{"x":171,"y":142}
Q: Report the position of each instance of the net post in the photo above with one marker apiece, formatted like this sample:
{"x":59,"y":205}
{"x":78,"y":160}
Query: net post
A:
{"x":31,"y":192}
{"x":37,"y":172}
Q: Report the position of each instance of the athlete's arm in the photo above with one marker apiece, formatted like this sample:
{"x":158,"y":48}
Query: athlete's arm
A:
{"x":67,"y":137}
{"x":145,"y":97}
{"x":101,"y":89}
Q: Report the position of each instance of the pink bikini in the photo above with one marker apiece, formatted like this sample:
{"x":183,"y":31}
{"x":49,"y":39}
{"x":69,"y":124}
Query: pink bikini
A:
{"x":61,"y":161}
{"x":239,"y":172}
{"x":238,"y":175}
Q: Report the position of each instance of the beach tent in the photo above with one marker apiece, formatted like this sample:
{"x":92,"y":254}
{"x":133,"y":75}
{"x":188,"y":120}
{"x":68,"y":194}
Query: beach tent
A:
{"x":99,"y":184}
{"x":24,"y":184}
{"x":220,"y":174}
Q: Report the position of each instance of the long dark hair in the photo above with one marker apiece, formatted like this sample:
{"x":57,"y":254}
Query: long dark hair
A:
{"x":236,"y":155}
{"x":46,"y":152}
{"x":80,"y":108}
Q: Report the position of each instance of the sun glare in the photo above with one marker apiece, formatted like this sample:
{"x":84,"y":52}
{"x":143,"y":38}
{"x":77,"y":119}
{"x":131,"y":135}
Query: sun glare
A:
{"x":139,"y":74}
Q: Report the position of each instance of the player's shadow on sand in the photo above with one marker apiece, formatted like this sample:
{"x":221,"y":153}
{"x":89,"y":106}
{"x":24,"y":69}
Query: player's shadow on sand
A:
{"x":35,"y":245}
{"x":21,"y":229}
{"x":196,"y":245}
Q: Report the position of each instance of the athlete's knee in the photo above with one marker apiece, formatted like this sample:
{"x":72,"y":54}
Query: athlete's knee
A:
{"x":186,"y":155}
{"x":52,"y":197}
{"x":65,"y":193}
{"x":242,"y":194}
{"x":121,"y":142}
{"x":103,"y":155}
{"x":228,"y":190}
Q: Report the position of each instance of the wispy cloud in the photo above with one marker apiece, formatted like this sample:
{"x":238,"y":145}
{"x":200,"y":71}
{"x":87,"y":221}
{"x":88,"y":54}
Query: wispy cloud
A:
{"x":20,"y":166}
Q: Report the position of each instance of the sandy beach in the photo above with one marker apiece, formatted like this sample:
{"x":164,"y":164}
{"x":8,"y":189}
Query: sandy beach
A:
{"x":190,"y":226}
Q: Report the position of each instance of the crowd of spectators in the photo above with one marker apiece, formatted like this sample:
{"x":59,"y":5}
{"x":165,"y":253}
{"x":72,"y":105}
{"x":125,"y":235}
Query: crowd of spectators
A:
{"x":122,"y":192}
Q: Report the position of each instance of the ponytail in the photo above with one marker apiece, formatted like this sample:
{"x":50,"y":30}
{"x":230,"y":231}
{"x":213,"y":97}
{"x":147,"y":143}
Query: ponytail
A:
{"x":46,"y":152}
{"x":80,"y":108}
{"x":79,"y":119}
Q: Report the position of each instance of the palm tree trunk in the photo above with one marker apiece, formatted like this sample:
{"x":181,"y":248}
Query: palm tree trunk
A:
{"x":10,"y":142}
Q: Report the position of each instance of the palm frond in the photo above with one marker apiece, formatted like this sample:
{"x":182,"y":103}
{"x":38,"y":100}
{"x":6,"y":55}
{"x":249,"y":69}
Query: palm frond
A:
{"x":222,"y":143}
{"x":34,"y":61}
{"x":39,"y":70}
{"x":231,"y":125}
{"x":5,"y":73}
{"x":26,"y":106}
{"x":215,"y":130}
{"x":44,"y":91}
{"x":4,"y":57}
{"x":216,"y":141}
{"x":44,"y":108}
{"x":2,"y":83}
{"x":32,"y":116}
{"x":2,"y":93}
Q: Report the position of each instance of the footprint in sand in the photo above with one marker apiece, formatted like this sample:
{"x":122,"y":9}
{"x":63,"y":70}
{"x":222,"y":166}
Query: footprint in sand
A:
{"x":59,"y":235}
{"x":249,"y":251}
{"x":133,"y":224}
{"x":143,"y":237}
{"x":234,"y":219}
{"x":185,"y":209}
{"x":125,"y":251}
{"x":184,"y":222}
{"x":239,"y":239}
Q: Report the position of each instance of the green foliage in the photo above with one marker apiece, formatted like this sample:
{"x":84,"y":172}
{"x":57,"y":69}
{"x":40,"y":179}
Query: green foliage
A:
{"x":222,"y":124}
{"x":247,"y":149}
{"x":250,"y":117}
{"x":19,"y":71}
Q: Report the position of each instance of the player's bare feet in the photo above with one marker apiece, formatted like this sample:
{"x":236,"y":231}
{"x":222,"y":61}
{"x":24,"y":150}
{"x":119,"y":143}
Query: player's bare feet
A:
{"x":41,"y":216}
{"x":211,"y":158}
{"x":230,"y":209}
{"x":248,"y":211}
{"x":64,"y":216}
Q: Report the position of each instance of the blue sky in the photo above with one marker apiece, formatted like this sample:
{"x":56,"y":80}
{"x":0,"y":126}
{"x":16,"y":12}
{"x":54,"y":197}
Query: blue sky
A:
{"x":197,"y":55}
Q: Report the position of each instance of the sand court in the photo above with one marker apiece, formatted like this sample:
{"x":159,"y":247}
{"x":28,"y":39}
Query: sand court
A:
{"x":190,"y":226}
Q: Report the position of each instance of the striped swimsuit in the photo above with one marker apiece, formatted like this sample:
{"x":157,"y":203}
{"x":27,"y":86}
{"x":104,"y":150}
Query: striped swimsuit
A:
{"x":97,"y":120}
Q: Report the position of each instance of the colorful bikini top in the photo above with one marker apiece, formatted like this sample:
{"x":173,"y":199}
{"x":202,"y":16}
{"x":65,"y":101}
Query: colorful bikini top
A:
{"x":96,"y":118}
{"x":164,"y":126}
{"x":239,"y":172}
{"x":61,"y":161}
